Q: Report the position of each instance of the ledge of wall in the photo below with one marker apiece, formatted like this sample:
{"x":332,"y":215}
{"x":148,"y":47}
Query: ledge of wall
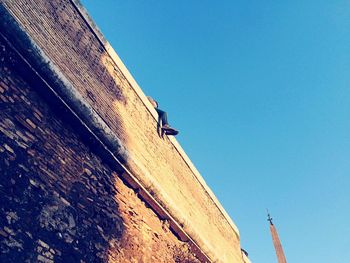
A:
{"x":88,"y":72}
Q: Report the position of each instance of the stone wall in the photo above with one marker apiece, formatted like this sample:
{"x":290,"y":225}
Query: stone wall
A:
{"x":59,"y":201}
{"x":60,"y":44}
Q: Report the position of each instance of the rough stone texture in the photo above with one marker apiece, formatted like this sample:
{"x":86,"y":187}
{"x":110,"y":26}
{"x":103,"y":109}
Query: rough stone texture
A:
{"x":66,"y":38}
{"x":59,"y":201}
{"x":71,"y":43}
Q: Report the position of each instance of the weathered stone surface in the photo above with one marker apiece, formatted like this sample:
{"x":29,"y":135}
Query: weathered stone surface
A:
{"x":59,"y":201}
{"x":74,"y":50}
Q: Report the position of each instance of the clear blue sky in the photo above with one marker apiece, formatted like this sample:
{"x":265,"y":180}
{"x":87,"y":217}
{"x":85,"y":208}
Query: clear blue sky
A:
{"x":260,"y":91}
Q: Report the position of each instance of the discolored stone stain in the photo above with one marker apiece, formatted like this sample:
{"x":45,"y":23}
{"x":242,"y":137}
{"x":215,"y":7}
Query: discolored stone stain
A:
{"x":59,"y":201}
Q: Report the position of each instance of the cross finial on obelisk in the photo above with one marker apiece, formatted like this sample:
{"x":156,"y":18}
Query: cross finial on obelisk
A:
{"x":269,"y":218}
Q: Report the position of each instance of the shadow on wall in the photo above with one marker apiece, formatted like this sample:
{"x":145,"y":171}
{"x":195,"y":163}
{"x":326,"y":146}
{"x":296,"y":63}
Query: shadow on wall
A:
{"x":57,"y":198}
{"x":59,"y":201}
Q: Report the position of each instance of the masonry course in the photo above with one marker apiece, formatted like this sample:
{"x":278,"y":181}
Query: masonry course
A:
{"x":59,"y":201}
{"x":164,"y":177}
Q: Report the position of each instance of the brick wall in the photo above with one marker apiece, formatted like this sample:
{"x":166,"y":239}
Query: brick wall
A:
{"x":59,"y":201}
{"x":72,"y":44}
